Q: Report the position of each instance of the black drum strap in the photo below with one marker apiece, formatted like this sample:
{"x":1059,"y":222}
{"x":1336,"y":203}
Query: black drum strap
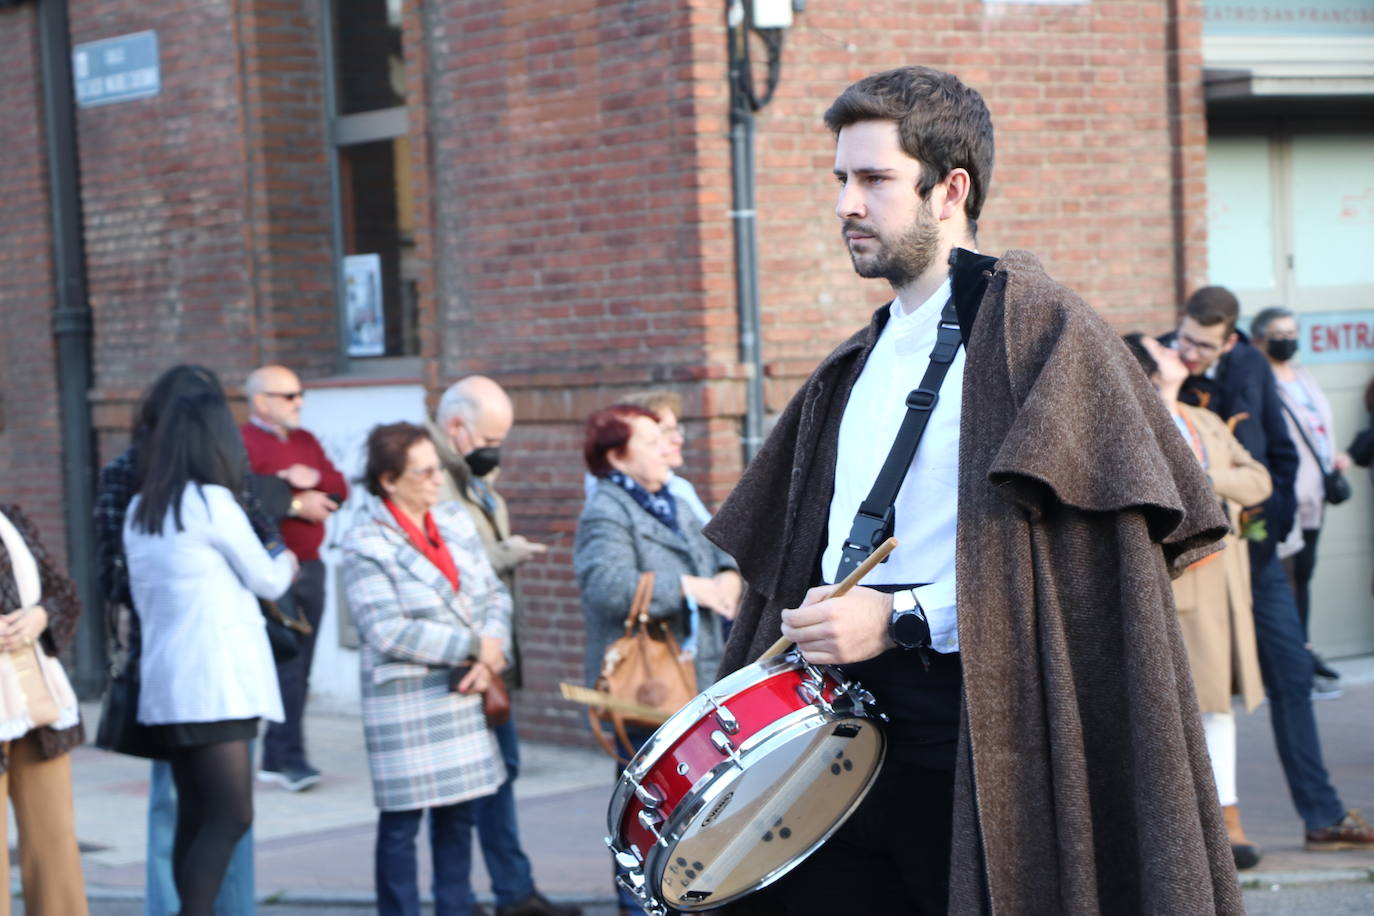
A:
{"x":875,"y":520}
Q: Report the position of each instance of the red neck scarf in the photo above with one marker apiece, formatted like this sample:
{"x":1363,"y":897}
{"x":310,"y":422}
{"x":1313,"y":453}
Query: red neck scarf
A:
{"x":428,"y":542}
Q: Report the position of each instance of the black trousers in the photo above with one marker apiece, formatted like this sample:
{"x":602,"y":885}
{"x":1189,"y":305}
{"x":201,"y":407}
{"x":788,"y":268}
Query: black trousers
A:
{"x":892,"y":855}
{"x":284,"y":744}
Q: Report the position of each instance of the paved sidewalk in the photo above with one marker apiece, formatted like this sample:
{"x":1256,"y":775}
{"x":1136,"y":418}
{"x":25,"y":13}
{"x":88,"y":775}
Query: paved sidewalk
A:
{"x":317,"y":845}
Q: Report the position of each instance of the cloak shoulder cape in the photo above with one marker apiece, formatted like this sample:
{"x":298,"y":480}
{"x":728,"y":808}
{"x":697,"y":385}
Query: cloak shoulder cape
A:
{"x":1083,"y":783}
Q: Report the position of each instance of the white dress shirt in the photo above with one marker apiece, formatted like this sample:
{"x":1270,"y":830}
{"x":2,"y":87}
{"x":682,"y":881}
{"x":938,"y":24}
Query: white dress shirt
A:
{"x":927,"y":504}
{"x":205,"y":651}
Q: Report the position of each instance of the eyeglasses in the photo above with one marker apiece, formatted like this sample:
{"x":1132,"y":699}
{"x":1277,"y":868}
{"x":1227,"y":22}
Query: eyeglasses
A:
{"x":674,"y":432}
{"x":433,"y":470}
{"x":286,"y":395}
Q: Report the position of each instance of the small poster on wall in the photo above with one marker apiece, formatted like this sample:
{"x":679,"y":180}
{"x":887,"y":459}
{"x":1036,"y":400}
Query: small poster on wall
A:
{"x":363,"y":301}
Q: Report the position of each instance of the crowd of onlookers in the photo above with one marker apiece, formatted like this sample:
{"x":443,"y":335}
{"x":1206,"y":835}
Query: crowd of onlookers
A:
{"x":210,"y":536}
{"x":1261,"y":427}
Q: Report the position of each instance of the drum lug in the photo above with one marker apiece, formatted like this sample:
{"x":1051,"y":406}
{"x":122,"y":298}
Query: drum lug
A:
{"x":725,"y":746}
{"x":814,"y":695}
{"x":725,"y":718}
{"x":649,"y":796}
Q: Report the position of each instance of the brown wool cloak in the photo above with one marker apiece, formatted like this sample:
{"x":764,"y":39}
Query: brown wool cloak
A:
{"x":1082,"y":784}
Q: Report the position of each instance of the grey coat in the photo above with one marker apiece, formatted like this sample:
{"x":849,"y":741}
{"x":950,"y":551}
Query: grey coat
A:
{"x":616,"y":541}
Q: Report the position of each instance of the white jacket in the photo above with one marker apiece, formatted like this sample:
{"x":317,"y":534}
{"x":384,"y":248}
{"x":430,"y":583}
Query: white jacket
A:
{"x":205,"y":651}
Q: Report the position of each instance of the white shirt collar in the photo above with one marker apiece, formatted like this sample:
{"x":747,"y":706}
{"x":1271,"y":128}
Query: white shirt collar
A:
{"x":936,"y":301}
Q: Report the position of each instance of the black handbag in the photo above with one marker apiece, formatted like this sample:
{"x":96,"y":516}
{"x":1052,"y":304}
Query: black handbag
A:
{"x":284,"y":630}
{"x":119,"y":730}
{"x":1362,"y":446}
{"x":1335,"y":488}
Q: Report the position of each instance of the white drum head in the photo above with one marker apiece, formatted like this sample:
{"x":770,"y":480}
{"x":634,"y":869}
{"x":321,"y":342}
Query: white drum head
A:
{"x":756,"y":822}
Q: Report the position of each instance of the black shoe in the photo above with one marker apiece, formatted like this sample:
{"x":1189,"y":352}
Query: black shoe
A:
{"x":1322,"y":669}
{"x":536,"y":904}
{"x":1247,"y":855}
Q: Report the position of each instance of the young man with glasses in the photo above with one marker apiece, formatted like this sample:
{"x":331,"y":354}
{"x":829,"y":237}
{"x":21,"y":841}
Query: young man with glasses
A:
{"x":277,"y":445}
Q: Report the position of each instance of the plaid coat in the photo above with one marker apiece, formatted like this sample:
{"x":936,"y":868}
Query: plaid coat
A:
{"x":426,"y":745}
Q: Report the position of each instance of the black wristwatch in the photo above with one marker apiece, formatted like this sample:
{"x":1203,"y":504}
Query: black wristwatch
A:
{"x":908,"y":627}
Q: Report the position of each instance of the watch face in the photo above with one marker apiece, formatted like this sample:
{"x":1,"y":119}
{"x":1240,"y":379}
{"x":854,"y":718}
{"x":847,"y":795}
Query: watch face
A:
{"x":909,"y":630}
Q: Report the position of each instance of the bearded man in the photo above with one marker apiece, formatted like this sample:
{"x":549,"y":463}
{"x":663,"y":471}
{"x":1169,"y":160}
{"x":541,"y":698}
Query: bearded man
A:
{"x":1022,"y":638}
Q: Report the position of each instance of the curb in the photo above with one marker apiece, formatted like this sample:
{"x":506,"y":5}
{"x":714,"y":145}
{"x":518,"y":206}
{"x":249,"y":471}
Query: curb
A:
{"x":1251,"y":880}
{"x":338,"y":898}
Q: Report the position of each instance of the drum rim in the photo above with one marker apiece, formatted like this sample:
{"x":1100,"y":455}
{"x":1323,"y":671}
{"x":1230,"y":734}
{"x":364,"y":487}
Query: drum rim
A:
{"x":806,"y":719}
{"x":681,"y":722}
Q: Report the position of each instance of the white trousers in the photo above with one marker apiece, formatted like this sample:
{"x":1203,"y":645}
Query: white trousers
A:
{"x":1220,"y":730}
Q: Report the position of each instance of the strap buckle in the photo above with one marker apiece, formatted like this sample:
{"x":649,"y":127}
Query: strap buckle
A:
{"x":867,"y":532}
{"x":922,"y":399}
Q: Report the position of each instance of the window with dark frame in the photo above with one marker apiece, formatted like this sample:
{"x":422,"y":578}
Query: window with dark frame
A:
{"x":375,"y":232}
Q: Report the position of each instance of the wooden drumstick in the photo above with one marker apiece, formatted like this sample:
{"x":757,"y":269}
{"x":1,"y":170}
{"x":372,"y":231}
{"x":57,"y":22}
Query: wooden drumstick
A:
{"x":851,"y":580}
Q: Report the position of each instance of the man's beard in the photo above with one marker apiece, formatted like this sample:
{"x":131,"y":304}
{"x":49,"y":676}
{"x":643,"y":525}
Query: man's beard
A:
{"x":904,"y":260}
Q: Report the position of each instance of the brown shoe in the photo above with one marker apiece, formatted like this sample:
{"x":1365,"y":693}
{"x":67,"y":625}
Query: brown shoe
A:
{"x":1351,"y":832}
{"x":1246,"y":854}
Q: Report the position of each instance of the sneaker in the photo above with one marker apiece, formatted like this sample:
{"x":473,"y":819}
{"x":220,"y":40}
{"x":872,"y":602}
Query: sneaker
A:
{"x":1322,"y":669}
{"x":1351,"y":832}
{"x":1325,"y":688}
{"x":536,"y":904}
{"x":293,"y":779}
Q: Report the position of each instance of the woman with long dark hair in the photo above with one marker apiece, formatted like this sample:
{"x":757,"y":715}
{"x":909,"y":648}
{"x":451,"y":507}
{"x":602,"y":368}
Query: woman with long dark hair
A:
{"x":264,"y":499}
{"x":195,"y":565}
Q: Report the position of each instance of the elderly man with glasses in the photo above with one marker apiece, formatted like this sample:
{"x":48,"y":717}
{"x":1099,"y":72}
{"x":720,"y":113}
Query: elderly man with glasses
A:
{"x":277,"y":445}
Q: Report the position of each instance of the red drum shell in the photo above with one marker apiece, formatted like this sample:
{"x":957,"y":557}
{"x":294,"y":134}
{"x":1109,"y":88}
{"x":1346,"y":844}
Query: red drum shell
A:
{"x":756,"y":708}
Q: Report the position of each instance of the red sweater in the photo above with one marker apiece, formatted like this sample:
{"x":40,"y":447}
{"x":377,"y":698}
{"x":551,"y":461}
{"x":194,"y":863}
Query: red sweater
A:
{"x":267,"y":454}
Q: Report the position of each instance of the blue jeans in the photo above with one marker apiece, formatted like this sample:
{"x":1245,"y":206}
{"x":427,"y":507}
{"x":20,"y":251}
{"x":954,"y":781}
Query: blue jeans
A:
{"x":397,"y":870}
{"x":511,"y":877}
{"x":236,"y":894}
{"x":1286,"y":667}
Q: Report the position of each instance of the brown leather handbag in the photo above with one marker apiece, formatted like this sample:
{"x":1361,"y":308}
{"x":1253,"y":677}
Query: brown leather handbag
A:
{"x":644,"y":667}
{"x":496,"y":702}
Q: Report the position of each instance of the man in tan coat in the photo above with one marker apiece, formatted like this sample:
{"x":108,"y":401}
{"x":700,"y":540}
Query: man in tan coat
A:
{"x":472,"y":421}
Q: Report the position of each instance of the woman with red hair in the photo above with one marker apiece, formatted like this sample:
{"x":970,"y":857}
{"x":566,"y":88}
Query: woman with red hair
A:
{"x":632,"y":524}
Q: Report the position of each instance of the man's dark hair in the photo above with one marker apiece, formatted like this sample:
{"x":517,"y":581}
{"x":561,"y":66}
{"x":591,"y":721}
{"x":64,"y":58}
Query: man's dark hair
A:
{"x":1213,"y":305}
{"x":943,"y":124}
{"x":195,"y":442}
{"x":388,"y":449}
{"x":1142,"y":356}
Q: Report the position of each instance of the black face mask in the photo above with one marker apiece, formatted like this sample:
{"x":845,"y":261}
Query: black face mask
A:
{"x":1282,"y":349}
{"x":482,"y":461}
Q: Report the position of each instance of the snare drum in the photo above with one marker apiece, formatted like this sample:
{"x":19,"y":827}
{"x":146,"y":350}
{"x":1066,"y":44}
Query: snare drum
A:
{"x":743,"y":783}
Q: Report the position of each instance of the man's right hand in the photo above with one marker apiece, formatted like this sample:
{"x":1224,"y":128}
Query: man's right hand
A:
{"x":300,"y":476}
{"x":524,"y":549}
{"x":312,"y":506}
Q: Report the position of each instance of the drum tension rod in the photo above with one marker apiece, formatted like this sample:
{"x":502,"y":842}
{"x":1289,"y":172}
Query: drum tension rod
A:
{"x":725,"y":746}
{"x":649,"y":821}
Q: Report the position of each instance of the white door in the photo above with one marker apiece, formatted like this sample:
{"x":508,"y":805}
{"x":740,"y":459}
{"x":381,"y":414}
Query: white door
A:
{"x":1291,"y":222}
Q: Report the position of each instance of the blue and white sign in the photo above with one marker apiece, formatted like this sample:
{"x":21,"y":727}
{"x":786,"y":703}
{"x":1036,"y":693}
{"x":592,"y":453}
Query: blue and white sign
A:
{"x":116,"y":69}
{"x":1336,"y":337}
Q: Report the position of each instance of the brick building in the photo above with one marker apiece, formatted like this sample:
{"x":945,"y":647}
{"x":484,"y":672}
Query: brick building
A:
{"x":388,"y":194}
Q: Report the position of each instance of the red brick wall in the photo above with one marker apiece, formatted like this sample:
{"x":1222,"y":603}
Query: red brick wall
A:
{"x":569,"y":215}
{"x":285,"y":138}
{"x":1081,"y":97}
{"x":165,"y":200}
{"x":207,"y":207}
{"x":30,"y":439}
